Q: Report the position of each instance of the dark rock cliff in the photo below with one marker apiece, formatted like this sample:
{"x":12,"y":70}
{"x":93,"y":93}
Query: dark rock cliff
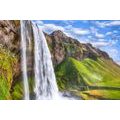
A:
{"x":9,"y":35}
{"x":62,"y":46}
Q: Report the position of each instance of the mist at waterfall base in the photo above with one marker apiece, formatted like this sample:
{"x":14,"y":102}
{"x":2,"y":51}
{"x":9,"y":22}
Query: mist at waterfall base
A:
{"x":44,"y":77}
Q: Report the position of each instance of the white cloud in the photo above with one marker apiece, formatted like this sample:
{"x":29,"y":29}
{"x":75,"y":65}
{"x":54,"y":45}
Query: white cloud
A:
{"x":68,"y":22}
{"x":118,"y":62}
{"x":100,"y":44}
{"x":113,"y":23}
{"x":99,"y":35}
{"x":101,"y":40}
{"x":39,"y":22}
{"x":80,"y":31}
{"x":107,"y":24}
{"x":113,"y":42}
{"x":103,"y":43}
{"x":115,"y":31}
{"x":76,"y":31}
{"x":53,"y":27}
{"x":68,"y":27}
{"x":100,"y":24}
{"x":90,"y":37}
{"x":109,"y":33}
{"x":95,"y":32}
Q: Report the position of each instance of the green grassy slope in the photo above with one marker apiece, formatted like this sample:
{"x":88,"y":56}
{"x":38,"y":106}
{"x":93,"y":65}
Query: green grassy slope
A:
{"x":71,"y":74}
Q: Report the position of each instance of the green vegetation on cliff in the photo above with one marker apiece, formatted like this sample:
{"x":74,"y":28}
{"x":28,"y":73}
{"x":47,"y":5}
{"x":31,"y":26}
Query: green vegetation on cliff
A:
{"x":73,"y":74}
{"x":18,"y":89}
{"x":7,"y":65}
{"x":68,"y":75}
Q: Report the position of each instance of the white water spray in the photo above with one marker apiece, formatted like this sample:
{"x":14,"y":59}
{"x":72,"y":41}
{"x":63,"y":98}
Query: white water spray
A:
{"x":24,"y":59}
{"x":45,"y":81}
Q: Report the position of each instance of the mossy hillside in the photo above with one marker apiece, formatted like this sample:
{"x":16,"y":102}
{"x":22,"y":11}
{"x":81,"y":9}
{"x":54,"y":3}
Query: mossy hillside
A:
{"x":18,"y":90}
{"x":71,"y":74}
{"x":68,"y":75}
{"x":99,"y":72}
{"x":7,"y":63}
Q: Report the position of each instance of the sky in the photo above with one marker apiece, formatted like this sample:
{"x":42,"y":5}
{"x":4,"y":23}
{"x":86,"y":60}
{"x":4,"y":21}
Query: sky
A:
{"x":103,"y":34}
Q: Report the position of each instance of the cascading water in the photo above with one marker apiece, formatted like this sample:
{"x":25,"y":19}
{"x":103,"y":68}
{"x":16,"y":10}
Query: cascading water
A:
{"x":45,"y":81}
{"x":24,"y":59}
{"x":44,"y":76}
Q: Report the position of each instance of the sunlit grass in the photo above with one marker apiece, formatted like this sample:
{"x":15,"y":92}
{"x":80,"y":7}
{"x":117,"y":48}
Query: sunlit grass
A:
{"x":71,"y":74}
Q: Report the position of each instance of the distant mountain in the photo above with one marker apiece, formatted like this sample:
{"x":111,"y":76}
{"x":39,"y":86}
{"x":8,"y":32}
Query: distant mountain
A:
{"x":82,"y":69}
{"x":62,"y":46}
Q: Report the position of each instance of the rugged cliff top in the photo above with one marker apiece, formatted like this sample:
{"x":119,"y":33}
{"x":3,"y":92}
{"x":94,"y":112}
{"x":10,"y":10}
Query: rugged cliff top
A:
{"x":9,"y":35}
{"x":62,"y":46}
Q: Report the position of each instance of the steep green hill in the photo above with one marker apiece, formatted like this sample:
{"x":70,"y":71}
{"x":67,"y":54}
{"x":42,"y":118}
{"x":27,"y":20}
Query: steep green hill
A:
{"x":73,"y":75}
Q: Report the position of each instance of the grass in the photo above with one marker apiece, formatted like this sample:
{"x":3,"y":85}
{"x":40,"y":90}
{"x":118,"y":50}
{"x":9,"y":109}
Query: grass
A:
{"x":103,"y":72}
{"x":7,"y":62}
{"x":68,"y":76}
{"x":18,"y":89}
{"x":4,"y":89}
{"x":101,"y":94}
{"x":71,"y":74}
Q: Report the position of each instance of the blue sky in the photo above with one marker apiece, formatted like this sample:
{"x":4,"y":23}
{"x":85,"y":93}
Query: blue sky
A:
{"x":103,"y":34}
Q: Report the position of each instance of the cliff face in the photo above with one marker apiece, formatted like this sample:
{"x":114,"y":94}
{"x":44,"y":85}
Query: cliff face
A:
{"x":9,"y":35}
{"x":9,"y":57}
{"x":62,"y":46}
{"x":10,"y":39}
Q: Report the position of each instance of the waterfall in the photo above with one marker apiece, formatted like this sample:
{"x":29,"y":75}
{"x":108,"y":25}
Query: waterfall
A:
{"x":24,"y":59}
{"x":45,"y":81}
{"x":36,"y":56}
